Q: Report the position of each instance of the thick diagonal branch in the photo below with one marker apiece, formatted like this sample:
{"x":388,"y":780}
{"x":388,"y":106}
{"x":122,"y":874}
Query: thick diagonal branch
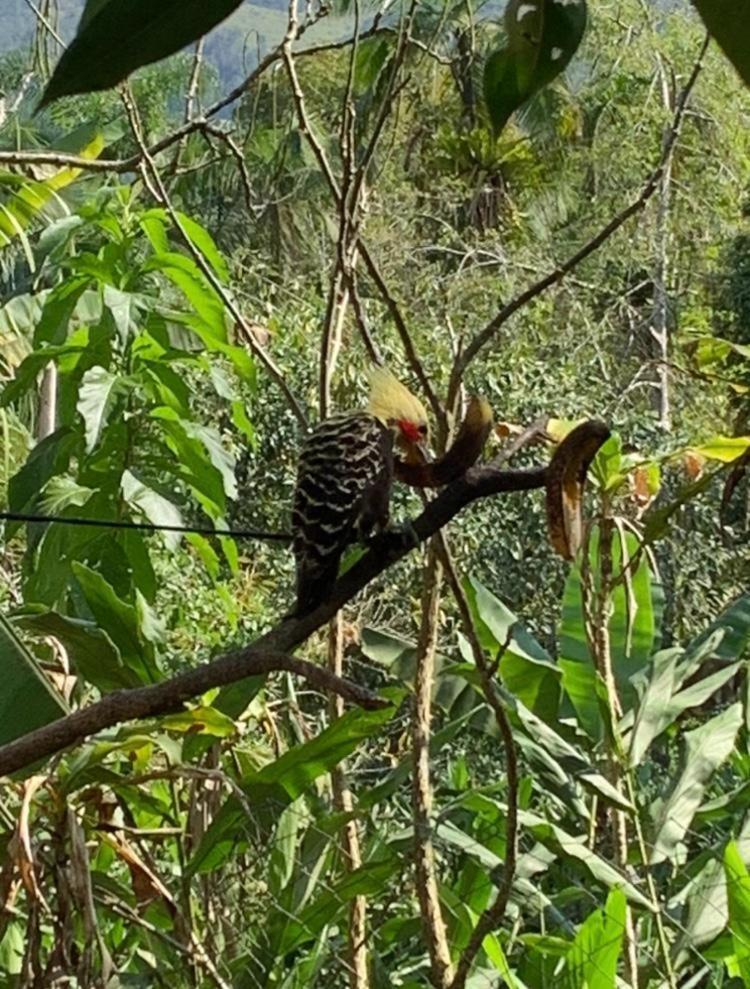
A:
{"x":267,"y":653}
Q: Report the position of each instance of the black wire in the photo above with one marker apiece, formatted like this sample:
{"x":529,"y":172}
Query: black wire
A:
{"x":260,"y":534}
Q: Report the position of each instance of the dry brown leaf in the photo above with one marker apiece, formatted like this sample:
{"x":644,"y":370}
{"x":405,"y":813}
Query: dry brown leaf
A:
{"x":694,"y":464}
{"x":566,"y":476}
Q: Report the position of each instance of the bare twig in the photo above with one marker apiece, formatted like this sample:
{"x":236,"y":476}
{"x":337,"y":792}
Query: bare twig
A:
{"x":326,"y":168}
{"x":492,"y":917}
{"x":652,"y":183}
{"x":156,"y":185}
{"x":45,"y":22}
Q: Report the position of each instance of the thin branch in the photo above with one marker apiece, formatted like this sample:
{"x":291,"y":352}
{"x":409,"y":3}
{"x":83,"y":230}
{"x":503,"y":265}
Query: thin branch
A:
{"x":492,"y":917}
{"x":324,"y":164}
{"x":154,"y":181}
{"x":120,"y":165}
{"x":46,"y":24}
{"x":484,"y":336}
{"x":428,"y":892}
{"x":350,"y":843}
{"x":269,"y":652}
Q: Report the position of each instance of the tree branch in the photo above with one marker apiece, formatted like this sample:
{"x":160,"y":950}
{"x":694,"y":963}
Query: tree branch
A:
{"x":268,"y":653}
{"x":484,"y":336}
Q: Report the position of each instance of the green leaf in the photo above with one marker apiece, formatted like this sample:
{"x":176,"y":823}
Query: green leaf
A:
{"x":725,"y":449}
{"x":188,"y":277}
{"x":155,"y":507}
{"x":59,"y":306}
{"x":115,"y":38}
{"x":95,"y":399}
{"x":122,"y":307}
{"x":729,"y":23}
{"x":368,"y":880}
{"x":48,"y":458}
{"x":526,"y":668}
{"x":119,"y":620}
{"x":591,"y":961}
{"x":568,"y":756}
{"x":199,"y":237}
{"x":281,"y":865}
{"x":542,"y":37}
{"x":633,"y":627}
{"x":665,"y":709}
{"x":705,"y":749}
{"x":28,"y":700}
{"x":64,"y":492}
{"x":738,"y":902}
{"x":94,"y":656}
{"x":733,"y":626}
{"x":274,"y":787}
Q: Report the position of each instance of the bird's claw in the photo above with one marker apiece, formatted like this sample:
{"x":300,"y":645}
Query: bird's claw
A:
{"x":401,"y":538}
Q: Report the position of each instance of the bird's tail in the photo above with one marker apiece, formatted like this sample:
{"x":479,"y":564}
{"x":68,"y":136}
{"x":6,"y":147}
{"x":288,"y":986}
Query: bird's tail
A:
{"x":314,"y":585}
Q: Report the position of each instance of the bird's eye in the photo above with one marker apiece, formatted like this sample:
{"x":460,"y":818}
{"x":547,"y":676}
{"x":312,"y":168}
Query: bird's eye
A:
{"x":423,"y":430}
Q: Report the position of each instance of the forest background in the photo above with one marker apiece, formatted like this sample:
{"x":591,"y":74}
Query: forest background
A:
{"x":521,"y":756}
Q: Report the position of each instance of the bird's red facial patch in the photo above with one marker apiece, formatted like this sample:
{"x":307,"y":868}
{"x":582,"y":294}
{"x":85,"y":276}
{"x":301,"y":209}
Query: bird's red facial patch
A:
{"x":410,"y":431}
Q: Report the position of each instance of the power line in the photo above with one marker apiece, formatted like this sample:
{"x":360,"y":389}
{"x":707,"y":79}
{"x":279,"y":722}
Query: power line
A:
{"x":259,"y":534}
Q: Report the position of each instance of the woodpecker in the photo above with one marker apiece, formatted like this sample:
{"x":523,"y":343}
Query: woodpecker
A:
{"x":344,"y":481}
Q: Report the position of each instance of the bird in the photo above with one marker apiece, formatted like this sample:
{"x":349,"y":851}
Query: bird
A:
{"x":344,"y":479}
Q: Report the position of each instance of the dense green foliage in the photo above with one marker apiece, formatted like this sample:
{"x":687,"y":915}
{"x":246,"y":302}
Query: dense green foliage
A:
{"x":212,"y":845}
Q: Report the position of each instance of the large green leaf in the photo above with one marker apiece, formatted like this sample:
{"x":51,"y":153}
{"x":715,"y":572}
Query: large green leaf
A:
{"x":526,"y":668}
{"x":542,"y":37}
{"x":398,"y":657}
{"x":729,"y":22}
{"x":663,"y":701}
{"x":738,"y":902}
{"x":119,"y":620}
{"x":706,"y":748}
{"x":570,"y":758}
{"x":592,"y":959}
{"x":117,"y":36}
{"x":156,"y":508}
{"x":633,"y":627}
{"x":733,"y":624}
{"x":91,"y":651}
{"x":27,"y":700}
{"x":95,"y":400}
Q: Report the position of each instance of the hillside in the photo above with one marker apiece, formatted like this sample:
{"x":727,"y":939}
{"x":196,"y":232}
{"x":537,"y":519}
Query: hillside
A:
{"x":233,"y":47}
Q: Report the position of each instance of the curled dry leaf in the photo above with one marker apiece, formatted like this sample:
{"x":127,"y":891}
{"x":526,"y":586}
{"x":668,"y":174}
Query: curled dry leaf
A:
{"x":694,"y":464}
{"x":566,"y":476}
{"x":462,"y":454}
{"x":503,"y":430}
{"x":146,"y":884}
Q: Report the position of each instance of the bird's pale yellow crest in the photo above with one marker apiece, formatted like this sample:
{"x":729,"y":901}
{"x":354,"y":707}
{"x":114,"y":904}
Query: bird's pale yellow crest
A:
{"x":391,"y":402}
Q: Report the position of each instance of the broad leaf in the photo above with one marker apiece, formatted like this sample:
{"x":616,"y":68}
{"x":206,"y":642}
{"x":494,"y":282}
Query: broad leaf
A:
{"x":706,"y":748}
{"x":542,"y":37}
{"x":95,"y":400}
{"x":115,"y":37}
{"x":729,"y":22}
{"x":738,"y":903}
{"x":526,"y":668}
{"x":93,"y":654}
{"x":28,"y":700}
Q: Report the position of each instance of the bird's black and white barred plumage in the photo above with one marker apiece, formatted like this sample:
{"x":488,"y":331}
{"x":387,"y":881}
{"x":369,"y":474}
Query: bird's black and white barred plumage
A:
{"x":343,"y":490}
